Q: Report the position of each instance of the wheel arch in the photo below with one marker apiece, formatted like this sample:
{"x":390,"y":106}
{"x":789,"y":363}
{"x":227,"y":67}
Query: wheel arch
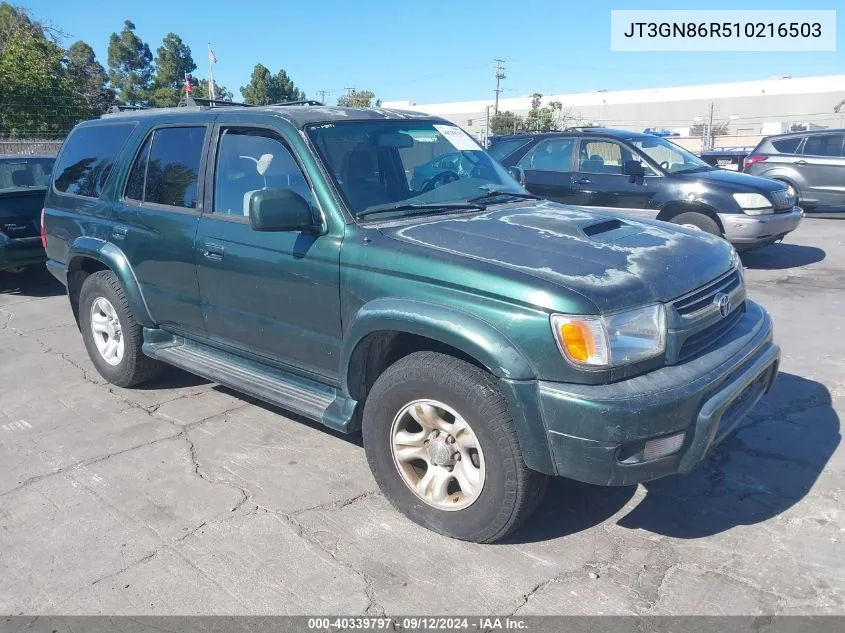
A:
{"x":672,"y":209}
{"x":387,"y":329}
{"x":88,"y":255}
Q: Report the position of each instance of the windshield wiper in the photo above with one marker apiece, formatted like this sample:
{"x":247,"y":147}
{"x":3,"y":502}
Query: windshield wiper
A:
{"x":418,"y":206}
{"x":496,"y":193}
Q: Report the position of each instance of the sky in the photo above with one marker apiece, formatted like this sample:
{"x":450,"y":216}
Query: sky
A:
{"x":429,"y":52}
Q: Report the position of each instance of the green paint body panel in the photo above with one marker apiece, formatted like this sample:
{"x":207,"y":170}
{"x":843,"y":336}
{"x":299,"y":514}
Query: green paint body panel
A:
{"x":295,"y":307}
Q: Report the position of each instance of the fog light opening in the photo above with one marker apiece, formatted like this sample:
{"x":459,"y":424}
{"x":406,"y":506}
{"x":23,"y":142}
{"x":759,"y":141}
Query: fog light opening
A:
{"x":662,"y":447}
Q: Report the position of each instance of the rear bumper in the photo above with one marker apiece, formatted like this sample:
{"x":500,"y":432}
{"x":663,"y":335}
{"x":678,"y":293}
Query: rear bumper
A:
{"x":16,"y":253}
{"x":757,"y":230}
{"x":594,"y":433}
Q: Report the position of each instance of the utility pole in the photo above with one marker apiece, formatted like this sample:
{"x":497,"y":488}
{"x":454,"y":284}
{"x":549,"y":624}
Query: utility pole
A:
{"x":500,"y":74}
{"x":487,"y":125}
{"x":710,"y":128}
{"x":323,"y":94}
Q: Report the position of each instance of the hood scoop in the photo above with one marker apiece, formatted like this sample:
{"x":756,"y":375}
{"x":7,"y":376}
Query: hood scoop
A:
{"x":608,"y":231}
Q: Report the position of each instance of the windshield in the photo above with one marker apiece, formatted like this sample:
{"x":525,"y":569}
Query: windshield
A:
{"x":669,"y":156}
{"x":421,"y":164}
{"x":22,"y":172}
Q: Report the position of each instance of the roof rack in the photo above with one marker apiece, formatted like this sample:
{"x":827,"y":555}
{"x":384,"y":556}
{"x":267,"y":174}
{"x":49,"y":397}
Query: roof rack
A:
{"x":211,"y":103}
{"x":125,"y":108}
{"x":309,"y":102}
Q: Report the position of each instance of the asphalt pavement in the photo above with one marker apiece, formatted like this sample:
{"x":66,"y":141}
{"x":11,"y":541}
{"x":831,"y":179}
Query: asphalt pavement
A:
{"x":183,"y":497}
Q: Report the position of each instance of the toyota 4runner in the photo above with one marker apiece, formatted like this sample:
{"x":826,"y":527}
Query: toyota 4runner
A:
{"x":480,"y":338}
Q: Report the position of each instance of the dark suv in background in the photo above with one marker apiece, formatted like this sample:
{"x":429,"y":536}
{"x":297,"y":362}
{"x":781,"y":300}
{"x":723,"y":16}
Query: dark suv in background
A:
{"x":647,"y":176}
{"x":812,"y":164}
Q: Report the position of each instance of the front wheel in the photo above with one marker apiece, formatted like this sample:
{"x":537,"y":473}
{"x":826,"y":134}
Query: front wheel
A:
{"x":697,"y":221}
{"x":443,"y":449}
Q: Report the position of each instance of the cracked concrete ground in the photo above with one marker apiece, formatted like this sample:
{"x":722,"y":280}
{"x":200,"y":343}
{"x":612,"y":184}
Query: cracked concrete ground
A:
{"x":184,"y":498}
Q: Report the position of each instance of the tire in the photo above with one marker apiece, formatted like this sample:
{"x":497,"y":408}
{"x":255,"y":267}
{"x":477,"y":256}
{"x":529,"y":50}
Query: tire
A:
{"x":130,"y":367}
{"x":693,"y":219}
{"x":509,"y":491}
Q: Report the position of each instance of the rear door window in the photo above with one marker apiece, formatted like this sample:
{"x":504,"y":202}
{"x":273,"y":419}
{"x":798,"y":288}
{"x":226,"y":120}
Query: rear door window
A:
{"x":166,"y":170}
{"x":553,"y":154}
{"x":824,"y":145}
{"x":87,"y":158}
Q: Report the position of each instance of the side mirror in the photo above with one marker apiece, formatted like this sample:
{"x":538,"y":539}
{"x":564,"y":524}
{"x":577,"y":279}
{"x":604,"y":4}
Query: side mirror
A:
{"x":517,"y":174}
{"x":633,"y":168}
{"x":279,"y":210}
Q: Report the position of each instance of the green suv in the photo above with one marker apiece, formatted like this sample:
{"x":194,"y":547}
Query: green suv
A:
{"x":480,"y":338}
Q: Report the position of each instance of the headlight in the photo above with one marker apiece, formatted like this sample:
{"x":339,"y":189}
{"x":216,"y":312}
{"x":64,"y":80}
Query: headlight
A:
{"x":610,"y":340}
{"x":754,"y":203}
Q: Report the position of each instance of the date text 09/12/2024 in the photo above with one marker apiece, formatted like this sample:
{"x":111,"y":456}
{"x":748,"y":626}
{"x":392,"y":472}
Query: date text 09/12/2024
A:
{"x":417,"y":623}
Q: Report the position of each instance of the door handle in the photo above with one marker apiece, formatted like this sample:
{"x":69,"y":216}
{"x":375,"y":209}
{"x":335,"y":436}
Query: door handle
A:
{"x":119,"y":232}
{"x":583,"y":181}
{"x":213,"y":251}
{"x":800,"y":162}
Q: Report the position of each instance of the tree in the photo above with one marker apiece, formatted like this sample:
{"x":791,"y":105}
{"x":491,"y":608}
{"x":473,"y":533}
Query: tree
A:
{"x":258,"y":90}
{"x":265,"y":88}
{"x":720,"y":128}
{"x":506,"y":122}
{"x":173,"y":62}
{"x":17,"y":22}
{"x":200,"y":90}
{"x":130,"y":65}
{"x":283,"y":89}
{"x":39,"y":95}
{"x":359,"y":99}
{"x":542,"y":118}
{"x":90,"y":77}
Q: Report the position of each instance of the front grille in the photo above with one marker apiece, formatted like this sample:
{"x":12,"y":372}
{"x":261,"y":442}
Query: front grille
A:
{"x":781,"y":200}
{"x":703,"y":339}
{"x":704,"y":297}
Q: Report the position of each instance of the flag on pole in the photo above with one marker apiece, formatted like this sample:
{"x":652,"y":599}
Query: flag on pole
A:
{"x":211,"y":57}
{"x":188,"y":88}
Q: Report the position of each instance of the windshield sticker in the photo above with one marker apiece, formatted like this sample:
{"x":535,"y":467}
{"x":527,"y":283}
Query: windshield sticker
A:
{"x":459,"y":139}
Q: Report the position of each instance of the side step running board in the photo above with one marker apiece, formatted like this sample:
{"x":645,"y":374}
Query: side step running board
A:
{"x":294,"y":393}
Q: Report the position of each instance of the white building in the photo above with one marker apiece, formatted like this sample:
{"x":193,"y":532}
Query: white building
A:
{"x":748,"y":110}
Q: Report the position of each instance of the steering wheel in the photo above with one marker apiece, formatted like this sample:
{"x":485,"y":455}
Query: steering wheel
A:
{"x":443,"y":178}
{"x":665,"y":165}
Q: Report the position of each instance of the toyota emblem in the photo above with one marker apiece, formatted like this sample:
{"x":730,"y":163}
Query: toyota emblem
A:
{"x":724,"y":303}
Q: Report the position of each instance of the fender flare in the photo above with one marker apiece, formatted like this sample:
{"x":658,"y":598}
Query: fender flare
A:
{"x":115,"y":259}
{"x":461,"y":330}
{"x":477,"y":339}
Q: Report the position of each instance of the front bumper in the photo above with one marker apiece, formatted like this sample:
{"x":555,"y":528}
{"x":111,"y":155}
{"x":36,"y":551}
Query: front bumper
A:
{"x":17,"y":253}
{"x":757,"y":230}
{"x":593,"y":430}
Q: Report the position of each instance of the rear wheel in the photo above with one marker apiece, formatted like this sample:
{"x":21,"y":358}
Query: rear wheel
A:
{"x":112,"y":336}
{"x":697,"y":221}
{"x":443,"y":449}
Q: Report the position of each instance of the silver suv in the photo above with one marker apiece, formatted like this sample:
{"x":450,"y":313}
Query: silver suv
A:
{"x":811,"y":163}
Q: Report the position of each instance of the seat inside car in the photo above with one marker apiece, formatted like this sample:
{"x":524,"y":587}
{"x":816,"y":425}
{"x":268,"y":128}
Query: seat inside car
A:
{"x":361,"y":183}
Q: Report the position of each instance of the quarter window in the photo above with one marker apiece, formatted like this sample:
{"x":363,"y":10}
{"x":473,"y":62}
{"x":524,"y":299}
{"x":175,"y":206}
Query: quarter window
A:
{"x":554,"y":154}
{"x":787,"y":145}
{"x":824,"y":145}
{"x":250,"y":160}
{"x":87,"y":158}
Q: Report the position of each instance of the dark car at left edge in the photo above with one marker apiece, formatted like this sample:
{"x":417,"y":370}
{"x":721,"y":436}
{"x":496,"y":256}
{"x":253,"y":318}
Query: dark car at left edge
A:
{"x":23,"y":185}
